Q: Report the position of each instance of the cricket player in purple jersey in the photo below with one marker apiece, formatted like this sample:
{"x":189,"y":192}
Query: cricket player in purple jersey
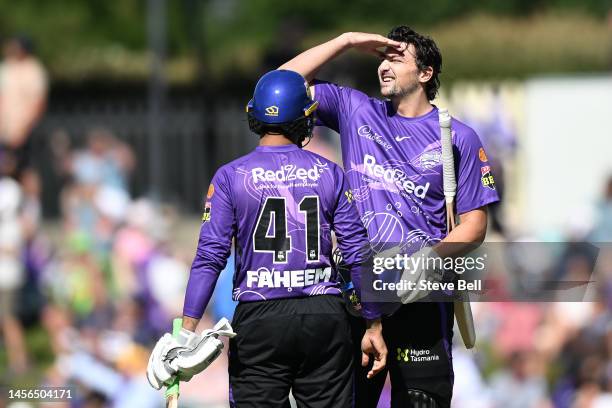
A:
{"x":280,"y":204}
{"x":392,"y":157}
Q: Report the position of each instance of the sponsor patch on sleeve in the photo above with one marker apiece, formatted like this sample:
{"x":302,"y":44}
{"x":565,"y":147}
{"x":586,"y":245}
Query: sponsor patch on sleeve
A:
{"x":207,"y":209}
{"x":349,"y":196}
{"x":486,"y":178}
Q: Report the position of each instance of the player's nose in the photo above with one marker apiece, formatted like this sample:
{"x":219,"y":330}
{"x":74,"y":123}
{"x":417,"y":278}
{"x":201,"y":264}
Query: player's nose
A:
{"x":384,"y":66}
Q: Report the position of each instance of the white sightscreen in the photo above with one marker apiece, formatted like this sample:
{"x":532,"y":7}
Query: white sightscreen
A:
{"x":567,"y":150}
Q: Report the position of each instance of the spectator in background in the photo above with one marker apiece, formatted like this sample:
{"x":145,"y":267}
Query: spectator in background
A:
{"x":11,"y":272}
{"x":133,"y":247}
{"x":522,"y":385}
{"x":23,"y":95}
{"x":105,"y":162}
{"x":37,"y":248}
{"x":98,"y":198}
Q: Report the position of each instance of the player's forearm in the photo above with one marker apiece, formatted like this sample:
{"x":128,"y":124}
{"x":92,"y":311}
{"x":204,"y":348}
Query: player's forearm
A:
{"x":199,"y":291}
{"x":310,"y":61}
{"x":201,"y":284}
{"x":466,"y":236}
{"x":210,"y":259}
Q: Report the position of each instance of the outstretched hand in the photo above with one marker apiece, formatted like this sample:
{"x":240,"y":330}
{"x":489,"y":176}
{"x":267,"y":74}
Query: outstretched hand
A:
{"x":372,"y":344}
{"x":371,"y":43}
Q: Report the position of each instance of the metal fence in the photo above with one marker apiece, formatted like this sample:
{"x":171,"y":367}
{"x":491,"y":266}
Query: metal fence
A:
{"x":197,"y":137}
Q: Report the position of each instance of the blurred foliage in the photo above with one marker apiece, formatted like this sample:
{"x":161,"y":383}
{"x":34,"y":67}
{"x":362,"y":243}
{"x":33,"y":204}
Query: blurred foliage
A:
{"x":483,"y":46}
{"x":101,"y":39}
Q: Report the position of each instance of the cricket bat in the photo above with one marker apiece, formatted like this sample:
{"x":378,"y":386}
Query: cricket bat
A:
{"x":172,"y":391}
{"x":463,"y":310}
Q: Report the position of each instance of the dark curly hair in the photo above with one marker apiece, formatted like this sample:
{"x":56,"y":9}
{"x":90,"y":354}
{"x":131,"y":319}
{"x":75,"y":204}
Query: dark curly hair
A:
{"x":296,"y":131}
{"x":427,"y":55}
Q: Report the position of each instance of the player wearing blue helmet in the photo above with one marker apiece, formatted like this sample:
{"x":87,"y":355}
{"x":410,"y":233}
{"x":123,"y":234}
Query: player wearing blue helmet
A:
{"x":280,"y":205}
{"x":282,"y":105}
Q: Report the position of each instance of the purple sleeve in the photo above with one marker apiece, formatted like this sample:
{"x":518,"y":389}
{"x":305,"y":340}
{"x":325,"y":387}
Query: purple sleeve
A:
{"x":214,"y":245}
{"x":352,"y":238}
{"x":336,"y":103}
{"x":475,"y":185}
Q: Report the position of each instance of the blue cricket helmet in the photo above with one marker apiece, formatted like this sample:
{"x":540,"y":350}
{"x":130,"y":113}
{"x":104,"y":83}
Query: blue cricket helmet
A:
{"x":281,"y":97}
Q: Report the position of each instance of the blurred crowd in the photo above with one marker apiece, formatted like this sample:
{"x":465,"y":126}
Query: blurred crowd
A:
{"x":82,"y":301}
{"x":102,"y":286}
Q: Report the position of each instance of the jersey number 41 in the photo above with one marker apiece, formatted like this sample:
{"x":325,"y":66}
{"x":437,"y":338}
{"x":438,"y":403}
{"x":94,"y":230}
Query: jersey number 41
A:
{"x":279,"y":241}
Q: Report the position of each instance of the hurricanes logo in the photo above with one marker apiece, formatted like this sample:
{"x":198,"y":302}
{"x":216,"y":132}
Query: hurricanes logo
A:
{"x":482,"y":155}
{"x":272,"y":110}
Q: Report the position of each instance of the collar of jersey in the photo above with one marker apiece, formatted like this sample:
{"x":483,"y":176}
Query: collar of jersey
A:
{"x":413,"y":119}
{"x":279,"y":148}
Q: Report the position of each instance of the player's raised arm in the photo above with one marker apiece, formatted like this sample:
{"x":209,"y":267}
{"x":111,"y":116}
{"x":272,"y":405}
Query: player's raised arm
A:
{"x":310,"y":61}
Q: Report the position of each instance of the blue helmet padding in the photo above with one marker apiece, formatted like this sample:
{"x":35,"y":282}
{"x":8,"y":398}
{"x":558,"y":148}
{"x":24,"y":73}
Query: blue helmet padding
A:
{"x":280,"y":96}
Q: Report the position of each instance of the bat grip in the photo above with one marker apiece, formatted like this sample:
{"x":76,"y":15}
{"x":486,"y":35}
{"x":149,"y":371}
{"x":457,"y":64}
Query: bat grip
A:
{"x":173,"y":389}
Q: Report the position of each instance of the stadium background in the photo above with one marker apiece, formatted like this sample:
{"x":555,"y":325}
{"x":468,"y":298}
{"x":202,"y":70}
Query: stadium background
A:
{"x":146,"y":99}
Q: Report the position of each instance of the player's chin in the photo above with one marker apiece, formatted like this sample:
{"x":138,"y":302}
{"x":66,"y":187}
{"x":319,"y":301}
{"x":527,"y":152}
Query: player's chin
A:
{"x":386,"y":90}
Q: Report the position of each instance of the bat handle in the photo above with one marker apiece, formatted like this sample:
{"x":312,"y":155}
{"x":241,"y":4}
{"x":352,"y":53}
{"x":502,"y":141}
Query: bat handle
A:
{"x":172,"y":391}
{"x":450,"y":217}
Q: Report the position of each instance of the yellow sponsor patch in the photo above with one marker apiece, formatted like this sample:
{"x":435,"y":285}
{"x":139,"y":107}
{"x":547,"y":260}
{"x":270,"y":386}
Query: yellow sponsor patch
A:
{"x":207,"y":210}
{"x":349,"y":195}
{"x":486,"y":177}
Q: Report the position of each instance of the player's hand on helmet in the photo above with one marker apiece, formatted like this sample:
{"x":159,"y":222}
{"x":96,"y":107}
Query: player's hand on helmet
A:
{"x":372,"y":43}
{"x":186,"y":355}
{"x":373,"y":345}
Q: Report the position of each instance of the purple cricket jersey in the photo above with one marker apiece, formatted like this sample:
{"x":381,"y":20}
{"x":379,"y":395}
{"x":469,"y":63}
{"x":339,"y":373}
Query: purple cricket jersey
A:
{"x":393,"y":164}
{"x":281,"y":204}
{"x":394,"y":168}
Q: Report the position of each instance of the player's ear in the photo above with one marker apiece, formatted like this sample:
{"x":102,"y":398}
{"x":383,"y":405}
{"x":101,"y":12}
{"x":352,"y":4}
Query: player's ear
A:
{"x":425,"y":74}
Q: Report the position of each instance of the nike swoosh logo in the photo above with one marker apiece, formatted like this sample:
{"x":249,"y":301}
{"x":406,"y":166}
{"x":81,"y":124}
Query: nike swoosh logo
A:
{"x":400,"y":138}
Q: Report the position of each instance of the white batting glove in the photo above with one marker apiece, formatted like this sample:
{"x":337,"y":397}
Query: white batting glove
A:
{"x":188,"y":354}
{"x":421,"y":273}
